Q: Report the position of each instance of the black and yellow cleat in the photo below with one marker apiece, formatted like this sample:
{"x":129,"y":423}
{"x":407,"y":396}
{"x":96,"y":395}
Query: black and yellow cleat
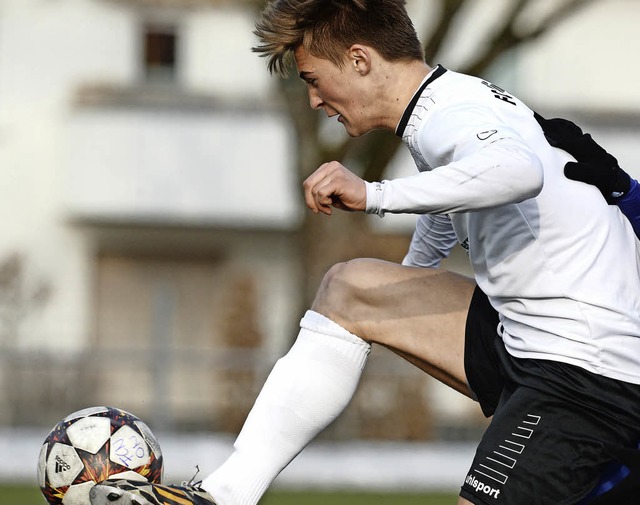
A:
{"x":133,"y":492}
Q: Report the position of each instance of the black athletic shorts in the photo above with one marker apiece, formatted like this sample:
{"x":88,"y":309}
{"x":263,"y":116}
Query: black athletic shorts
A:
{"x":557,"y":431}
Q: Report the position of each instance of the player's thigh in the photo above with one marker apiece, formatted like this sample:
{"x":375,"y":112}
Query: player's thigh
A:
{"x":538,"y":449}
{"x":418,"y":313}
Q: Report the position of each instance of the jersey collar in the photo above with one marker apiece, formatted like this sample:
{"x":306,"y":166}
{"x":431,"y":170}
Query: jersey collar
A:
{"x":435,"y":73}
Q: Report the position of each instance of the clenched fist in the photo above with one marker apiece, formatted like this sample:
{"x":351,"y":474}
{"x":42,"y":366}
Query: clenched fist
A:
{"x":333,"y":185}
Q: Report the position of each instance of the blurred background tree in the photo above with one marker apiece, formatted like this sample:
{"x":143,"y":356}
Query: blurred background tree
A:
{"x":20,"y":296}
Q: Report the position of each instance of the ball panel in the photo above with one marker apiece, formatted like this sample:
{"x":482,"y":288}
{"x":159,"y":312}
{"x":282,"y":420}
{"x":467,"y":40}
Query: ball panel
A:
{"x":91,"y":411}
{"x":78,"y":494}
{"x":42,"y":463}
{"x":89,"y":433}
{"x":129,"y":475}
{"x":149,"y":437}
{"x":63,"y":465}
{"x":128,"y":448}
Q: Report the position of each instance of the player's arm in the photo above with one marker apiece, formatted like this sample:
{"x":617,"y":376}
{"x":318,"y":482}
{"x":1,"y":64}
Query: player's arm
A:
{"x":334,"y":185}
{"x":479,"y":162}
{"x":595,"y":166}
{"x":432,"y":241}
{"x":484,"y":180}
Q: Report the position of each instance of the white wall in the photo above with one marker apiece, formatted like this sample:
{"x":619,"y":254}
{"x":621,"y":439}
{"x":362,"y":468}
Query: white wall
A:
{"x":46,"y":50}
{"x":49,"y":49}
{"x":219,"y":55}
{"x":184,"y":168}
{"x":586,"y":61}
{"x":589,"y":62}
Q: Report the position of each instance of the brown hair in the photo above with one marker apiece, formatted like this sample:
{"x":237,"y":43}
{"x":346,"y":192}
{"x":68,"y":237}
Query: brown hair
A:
{"x":327,"y":28}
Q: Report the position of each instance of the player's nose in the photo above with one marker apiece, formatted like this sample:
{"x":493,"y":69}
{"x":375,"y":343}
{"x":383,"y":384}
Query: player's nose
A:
{"x":315,"y":100}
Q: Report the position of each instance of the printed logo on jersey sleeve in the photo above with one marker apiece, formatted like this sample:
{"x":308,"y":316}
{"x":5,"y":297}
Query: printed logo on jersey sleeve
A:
{"x":500,"y":93}
{"x":486,"y":134}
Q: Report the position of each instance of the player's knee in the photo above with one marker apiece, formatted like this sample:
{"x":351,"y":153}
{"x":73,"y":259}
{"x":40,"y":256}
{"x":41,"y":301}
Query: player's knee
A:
{"x":341,"y":288}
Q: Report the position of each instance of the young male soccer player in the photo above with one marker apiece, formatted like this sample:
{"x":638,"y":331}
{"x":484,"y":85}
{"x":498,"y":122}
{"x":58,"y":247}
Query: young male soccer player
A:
{"x":558,"y":368}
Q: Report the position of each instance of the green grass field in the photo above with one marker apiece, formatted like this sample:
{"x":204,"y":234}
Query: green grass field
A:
{"x":353,"y":498}
{"x":29,"y":495}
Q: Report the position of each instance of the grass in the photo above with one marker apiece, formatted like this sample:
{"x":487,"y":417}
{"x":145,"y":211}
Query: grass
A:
{"x":30,"y":495}
{"x":23,"y":495}
{"x":355,"y":498}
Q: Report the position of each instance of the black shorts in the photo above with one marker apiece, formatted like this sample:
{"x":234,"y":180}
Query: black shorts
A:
{"x":556,"y":429}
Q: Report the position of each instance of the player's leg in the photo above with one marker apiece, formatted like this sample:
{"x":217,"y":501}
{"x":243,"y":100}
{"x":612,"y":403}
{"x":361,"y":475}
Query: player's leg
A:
{"x":555,"y":431}
{"x":419,"y":313}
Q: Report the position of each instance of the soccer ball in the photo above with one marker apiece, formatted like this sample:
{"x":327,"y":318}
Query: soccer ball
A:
{"x":92,"y":445}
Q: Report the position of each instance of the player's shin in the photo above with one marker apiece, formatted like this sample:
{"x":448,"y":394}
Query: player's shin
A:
{"x":306,"y":390}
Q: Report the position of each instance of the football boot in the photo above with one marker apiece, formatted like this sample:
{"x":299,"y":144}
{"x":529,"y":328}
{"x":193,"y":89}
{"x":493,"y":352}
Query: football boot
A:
{"x":136,"y":492}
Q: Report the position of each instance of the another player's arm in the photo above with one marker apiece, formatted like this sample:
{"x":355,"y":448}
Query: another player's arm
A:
{"x":595,"y":166}
{"x":629,"y":204}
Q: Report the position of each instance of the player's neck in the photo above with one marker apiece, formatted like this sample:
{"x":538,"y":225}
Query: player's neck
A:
{"x":397,"y":85}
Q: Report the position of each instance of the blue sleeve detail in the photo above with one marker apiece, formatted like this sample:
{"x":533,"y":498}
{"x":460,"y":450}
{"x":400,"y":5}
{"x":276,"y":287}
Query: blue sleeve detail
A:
{"x":613,"y":474}
{"x":629,"y":204}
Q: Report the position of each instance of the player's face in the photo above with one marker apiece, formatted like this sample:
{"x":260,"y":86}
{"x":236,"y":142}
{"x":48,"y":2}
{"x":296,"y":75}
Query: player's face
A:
{"x":336,"y":90}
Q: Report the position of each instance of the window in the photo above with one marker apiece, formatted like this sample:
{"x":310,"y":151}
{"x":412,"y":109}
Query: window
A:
{"x":160,"y":54}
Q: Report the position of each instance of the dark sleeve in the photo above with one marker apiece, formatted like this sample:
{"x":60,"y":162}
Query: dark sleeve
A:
{"x":629,"y":204}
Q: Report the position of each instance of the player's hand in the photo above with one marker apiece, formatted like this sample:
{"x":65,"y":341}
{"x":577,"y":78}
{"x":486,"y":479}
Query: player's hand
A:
{"x":332,"y":185}
{"x":594,"y":164}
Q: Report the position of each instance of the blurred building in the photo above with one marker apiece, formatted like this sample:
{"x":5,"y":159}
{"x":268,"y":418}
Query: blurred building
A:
{"x":151,"y":244}
{"x":150,"y":202}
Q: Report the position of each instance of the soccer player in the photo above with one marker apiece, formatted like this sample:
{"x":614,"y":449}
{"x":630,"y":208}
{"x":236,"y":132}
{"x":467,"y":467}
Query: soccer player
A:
{"x":546,"y":335}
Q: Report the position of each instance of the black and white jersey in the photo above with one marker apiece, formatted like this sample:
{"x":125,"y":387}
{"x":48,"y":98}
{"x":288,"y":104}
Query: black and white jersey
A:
{"x":560,"y":266}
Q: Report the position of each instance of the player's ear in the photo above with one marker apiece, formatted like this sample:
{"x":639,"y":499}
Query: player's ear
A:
{"x":360,"y":58}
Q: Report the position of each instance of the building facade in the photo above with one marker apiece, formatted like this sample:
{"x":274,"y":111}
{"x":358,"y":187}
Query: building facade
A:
{"x":149,"y":255}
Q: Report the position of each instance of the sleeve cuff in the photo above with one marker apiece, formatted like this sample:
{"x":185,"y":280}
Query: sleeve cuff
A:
{"x":374,"y":197}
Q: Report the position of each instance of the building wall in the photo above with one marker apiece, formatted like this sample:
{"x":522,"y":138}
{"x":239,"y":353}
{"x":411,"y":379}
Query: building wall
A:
{"x":587,"y":63}
{"x":77,"y":109}
{"x":52,"y":56}
{"x":101,"y":166}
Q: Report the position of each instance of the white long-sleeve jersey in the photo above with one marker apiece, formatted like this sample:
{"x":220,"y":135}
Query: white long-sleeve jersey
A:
{"x":561,"y":267}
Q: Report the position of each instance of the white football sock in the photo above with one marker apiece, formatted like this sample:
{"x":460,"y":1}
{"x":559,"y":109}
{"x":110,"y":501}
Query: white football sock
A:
{"x":306,"y":390}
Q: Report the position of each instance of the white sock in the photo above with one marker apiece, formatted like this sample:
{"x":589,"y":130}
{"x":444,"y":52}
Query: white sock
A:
{"x":306,"y":390}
